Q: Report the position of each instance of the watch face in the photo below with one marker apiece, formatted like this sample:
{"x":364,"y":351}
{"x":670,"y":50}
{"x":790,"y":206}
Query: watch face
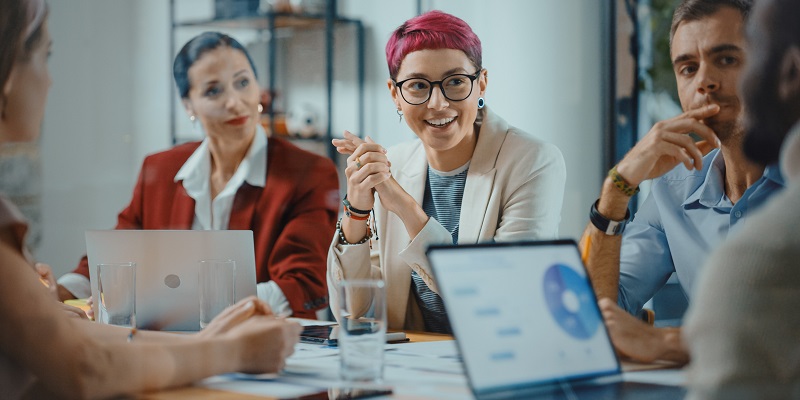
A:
{"x":615,"y":228}
{"x":606,"y":225}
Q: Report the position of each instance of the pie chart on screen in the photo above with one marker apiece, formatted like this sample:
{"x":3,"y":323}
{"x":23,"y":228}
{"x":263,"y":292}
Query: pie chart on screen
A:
{"x":570,"y":301}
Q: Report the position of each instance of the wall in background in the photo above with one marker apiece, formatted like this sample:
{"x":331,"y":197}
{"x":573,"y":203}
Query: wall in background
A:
{"x":109,"y":104}
{"x":107,"y":109}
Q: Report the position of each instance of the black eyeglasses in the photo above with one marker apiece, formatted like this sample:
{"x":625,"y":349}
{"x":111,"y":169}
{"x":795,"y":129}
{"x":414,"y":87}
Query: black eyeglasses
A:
{"x":456,"y":87}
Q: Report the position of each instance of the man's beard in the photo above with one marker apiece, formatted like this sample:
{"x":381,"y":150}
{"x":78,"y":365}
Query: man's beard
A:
{"x":764,"y":133}
{"x":726,"y":130}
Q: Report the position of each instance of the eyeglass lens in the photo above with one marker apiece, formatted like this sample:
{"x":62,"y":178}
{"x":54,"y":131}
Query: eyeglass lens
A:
{"x":418,"y":90}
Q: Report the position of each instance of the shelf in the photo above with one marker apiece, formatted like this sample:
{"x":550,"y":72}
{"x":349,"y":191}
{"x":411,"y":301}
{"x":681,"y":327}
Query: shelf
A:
{"x":262,"y":22}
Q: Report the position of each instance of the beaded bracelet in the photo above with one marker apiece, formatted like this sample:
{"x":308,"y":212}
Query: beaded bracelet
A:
{"x":621,"y":183}
{"x":343,"y":240}
{"x":131,"y":334}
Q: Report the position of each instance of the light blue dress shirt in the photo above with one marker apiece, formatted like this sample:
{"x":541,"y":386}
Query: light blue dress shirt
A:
{"x":685,"y":217}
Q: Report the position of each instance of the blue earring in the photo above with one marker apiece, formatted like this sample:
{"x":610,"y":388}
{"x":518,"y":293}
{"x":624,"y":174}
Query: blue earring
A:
{"x":481,"y":103}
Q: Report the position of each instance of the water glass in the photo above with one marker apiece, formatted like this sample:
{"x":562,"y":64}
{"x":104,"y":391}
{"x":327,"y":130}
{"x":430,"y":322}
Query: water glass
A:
{"x":362,"y":329}
{"x":216,"y":288}
{"x":116,"y":286}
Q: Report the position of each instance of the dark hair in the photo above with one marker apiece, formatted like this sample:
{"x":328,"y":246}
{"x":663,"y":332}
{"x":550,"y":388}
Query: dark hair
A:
{"x":432,"y":30}
{"x":693,"y":10}
{"x":18,"y":18}
{"x":194,"y":49}
{"x":772,"y":31}
{"x":12,"y":22}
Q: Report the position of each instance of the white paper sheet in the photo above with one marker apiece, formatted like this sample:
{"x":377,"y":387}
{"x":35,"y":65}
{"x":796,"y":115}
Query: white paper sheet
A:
{"x":673,"y":377}
{"x":238,"y":383}
{"x":438,"y":349}
{"x":309,"y":322}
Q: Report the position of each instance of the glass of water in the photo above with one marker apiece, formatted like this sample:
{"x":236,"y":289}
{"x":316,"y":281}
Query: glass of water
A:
{"x":217,"y":288}
{"x":362,"y":329}
{"x":116,"y":286}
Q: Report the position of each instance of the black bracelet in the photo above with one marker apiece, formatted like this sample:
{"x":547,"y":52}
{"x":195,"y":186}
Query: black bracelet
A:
{"x":343,"y":240}
{"x":605,"y":225}
{"x":353,"y":209}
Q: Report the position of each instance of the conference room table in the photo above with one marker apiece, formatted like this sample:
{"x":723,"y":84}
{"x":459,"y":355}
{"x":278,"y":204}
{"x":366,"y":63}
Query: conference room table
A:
{"x":454,"y":385}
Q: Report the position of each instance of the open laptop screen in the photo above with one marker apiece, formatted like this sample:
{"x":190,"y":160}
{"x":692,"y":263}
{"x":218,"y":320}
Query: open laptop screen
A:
{"x":522,"y":313}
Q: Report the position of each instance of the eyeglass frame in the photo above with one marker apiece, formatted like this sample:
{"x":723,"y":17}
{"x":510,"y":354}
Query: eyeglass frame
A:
{"x":472,"y":79}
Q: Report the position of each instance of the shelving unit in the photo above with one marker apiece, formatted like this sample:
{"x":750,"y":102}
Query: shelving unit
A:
{"x":272,"y":23}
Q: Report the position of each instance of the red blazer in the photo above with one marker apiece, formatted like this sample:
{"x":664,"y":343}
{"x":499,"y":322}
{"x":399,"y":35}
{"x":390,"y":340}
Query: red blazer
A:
{"x":292,"y":218}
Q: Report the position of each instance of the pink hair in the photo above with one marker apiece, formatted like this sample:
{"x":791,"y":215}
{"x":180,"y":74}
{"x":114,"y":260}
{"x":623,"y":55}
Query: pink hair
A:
{"x":432,"y":30}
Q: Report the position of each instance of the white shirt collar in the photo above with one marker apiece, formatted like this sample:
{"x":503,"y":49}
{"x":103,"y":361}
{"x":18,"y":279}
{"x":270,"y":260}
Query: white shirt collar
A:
{"x":195,"y":174}
{"x":196,"y":170}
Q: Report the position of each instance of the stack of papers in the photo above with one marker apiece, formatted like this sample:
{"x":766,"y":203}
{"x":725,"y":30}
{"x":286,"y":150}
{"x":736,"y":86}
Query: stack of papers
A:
{"x":427,"y":369}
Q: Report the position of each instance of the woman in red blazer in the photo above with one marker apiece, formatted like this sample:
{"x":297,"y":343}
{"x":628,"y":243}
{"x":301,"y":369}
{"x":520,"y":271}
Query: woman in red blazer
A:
{"x":237,"y":178}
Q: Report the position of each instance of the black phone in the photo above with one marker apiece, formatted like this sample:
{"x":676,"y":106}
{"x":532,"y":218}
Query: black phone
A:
{"x":318,"y":334}
{"x":345,"y":393}
{"x":327,"y":335}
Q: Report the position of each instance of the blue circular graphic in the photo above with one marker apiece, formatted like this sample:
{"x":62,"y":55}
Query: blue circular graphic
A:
{"x":570,"y":301}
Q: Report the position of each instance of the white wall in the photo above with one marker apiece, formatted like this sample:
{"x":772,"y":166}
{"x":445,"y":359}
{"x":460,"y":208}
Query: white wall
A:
{"x":107,"y":108}
{"x":109,"y":104}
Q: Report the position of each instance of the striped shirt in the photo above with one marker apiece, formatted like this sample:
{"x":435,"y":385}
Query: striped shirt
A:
{"x":443,"y":194}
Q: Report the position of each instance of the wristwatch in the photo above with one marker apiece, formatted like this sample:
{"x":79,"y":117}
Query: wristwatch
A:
{"x":605,"y":225}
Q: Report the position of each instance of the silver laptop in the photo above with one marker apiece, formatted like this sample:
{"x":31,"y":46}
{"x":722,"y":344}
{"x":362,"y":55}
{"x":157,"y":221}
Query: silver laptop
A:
{"x":527,"y":324}
{"x":166,"y":269}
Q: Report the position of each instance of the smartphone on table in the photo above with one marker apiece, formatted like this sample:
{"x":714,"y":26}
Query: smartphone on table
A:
{"x":345,"y":393}
{"x":327,"y":335}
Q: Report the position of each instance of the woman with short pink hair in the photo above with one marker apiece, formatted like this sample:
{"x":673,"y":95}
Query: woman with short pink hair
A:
{"x":469,"y":178}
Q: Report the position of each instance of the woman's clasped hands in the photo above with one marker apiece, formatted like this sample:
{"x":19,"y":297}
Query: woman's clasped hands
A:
{"x":367,"y":168}
{"x":368,"y":172}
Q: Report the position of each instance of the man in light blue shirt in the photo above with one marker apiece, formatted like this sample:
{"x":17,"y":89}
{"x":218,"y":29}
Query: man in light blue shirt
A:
{"x":695,"y":200}
{"x":685,"y":217}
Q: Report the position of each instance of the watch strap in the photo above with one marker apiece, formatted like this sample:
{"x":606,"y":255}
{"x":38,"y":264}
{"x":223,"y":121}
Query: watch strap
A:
{"x":606,"y":225}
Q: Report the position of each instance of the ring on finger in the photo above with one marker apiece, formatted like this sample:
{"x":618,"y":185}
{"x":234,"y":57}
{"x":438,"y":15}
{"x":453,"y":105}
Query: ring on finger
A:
{"x":358,"y":163}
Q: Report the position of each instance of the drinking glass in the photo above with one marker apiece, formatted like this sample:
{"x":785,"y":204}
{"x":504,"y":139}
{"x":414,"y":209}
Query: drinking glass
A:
{"x":116,"y":286}
{"x":362,"y":329}
{"x":216,"y":288}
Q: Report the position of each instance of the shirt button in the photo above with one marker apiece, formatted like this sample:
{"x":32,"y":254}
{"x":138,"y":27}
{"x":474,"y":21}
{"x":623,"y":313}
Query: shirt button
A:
{"x":737,"y":214}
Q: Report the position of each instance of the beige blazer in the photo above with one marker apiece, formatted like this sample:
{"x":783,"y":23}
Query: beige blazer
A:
{"x":513,"y":191}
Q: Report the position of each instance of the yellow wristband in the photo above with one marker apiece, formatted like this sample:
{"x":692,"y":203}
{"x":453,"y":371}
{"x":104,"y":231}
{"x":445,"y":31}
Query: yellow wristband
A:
{"x":621,"y":183}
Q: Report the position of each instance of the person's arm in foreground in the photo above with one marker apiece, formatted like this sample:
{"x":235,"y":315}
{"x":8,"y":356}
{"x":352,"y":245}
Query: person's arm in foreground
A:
{"x":80,"y":359}
{"x":639,"y":341}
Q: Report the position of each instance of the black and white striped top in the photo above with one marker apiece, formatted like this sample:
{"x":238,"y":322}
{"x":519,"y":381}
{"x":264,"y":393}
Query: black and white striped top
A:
{"x":443,"y":194}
